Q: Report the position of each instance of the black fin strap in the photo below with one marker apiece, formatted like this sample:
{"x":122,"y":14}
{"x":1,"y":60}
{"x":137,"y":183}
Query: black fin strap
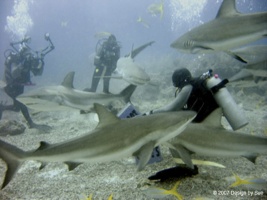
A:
{"x":220,"y":85}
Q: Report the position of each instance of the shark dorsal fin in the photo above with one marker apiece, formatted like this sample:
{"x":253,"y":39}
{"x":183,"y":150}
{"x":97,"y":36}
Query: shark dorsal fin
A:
{"x":105,"y":116}
{"x":68,"y":80}
{"x":214,"y":119}
{"x":228,"y":8}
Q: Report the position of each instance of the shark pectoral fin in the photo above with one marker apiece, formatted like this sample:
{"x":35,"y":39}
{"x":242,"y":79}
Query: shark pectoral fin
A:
{"x":144,"y":154}
{"x":13,"y":157}
{"x":235,"y":56}
{"x":214,"y":119}
{"x":72,"y":165}
{"x":184,"y":154}
{"x":12,"y":168}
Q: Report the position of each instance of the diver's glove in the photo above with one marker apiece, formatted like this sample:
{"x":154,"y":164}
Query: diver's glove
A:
{"x":180,"y":171}
{"x":41,"y":127}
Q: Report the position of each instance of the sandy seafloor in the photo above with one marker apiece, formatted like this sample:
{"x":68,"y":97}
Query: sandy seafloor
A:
{"x":120,"y":178}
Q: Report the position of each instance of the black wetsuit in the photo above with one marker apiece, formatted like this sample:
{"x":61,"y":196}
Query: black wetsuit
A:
{"x":105,"y":62}
{"x":17,"y":75}
{"x":200,"y":100}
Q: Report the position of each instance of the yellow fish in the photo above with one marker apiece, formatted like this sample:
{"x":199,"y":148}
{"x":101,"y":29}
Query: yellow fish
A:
{"x":257,"y":183}
{"x":157,"y":192}
{"x":156,"y":9}
{"x":110,"y":197}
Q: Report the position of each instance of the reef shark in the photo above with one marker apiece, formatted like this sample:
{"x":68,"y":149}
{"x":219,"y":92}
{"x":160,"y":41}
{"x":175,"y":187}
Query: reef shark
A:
{"x":112,"y":139}
{"x":209,"y":138}
{"x":65,"y":97}
{"x":251,"y":54}
{"x":230,"y":29}
{"x":256,"y":57}
{"x":130,"y":71}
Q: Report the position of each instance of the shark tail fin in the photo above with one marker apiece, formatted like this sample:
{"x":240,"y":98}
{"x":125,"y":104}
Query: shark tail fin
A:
{"x":13,"y":159}
{"x":127,"y":92}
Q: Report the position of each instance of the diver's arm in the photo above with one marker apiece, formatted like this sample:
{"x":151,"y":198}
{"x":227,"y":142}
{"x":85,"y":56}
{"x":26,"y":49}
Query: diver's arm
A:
{"x":49,"y":48}
{"x":178,"y":102}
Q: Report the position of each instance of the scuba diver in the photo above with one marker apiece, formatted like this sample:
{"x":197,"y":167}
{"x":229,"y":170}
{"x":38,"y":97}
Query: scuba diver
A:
{"x":19,"y":65}
{"x":202,"y":94}
{"x":107,"y":55}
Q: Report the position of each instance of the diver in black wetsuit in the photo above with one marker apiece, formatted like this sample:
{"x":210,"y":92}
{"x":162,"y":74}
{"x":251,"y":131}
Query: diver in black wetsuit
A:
{"x":191,"y":94}
{"x":18,"y":67}
{"x":105,"y":63}
{"x":202,"y":94}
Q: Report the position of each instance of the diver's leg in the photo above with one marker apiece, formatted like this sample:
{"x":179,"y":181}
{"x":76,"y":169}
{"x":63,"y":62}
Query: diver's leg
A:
{"x":106,"y":80}
{"x":95,"y":79}
{"x":28,"y":118}
{"x":24,"y":111}
{"x":12,"y":91}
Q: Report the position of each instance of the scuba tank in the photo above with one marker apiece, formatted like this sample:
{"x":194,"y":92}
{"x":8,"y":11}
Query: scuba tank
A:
{"x":230,"y":109}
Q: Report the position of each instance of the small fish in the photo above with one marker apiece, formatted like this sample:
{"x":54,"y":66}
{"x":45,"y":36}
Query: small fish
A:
{"x":177,"y":172}
{"x":64,"y":23}
{"x":156,"y":9}
{"x":200,"y":162}
{"x":256,"y":183}
{"x":157,"y":192}
{"x":143,"y":22}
